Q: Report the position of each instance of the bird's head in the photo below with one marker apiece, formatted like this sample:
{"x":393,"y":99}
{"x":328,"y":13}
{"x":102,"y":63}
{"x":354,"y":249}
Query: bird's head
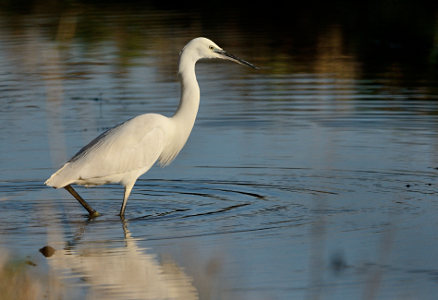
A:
{"x":199,"y":48}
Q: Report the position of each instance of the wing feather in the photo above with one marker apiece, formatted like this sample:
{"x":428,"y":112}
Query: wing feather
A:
{"x":134,"y":145}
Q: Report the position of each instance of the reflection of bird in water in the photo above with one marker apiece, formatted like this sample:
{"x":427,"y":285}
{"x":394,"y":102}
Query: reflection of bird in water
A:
{"x":125,"y":272}
{"x":128,"y":150}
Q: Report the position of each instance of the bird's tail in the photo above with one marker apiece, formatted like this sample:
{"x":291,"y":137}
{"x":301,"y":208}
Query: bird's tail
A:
{"x":58,"y":180}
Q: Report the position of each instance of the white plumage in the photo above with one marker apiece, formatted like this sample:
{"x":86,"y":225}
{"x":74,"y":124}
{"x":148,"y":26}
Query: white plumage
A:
{"x":128,"y":150}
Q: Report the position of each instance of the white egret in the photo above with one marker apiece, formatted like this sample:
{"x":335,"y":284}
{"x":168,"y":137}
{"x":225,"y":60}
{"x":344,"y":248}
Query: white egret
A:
{"x":128,"y":150}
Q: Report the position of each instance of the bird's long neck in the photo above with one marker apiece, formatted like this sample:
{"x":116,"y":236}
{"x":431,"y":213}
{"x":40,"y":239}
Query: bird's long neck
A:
{"x":188,"y":106}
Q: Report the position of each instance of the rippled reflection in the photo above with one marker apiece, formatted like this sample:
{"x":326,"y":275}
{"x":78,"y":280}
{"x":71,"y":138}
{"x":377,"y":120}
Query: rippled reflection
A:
{"x":104,"y":270}
{"x":314,"y":177}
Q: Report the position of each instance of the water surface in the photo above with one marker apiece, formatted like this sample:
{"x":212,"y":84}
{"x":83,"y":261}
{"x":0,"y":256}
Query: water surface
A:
{"x":313,"y":177}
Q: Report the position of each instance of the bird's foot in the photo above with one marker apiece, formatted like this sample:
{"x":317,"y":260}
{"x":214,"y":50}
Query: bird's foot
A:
{"x":94,"y":214}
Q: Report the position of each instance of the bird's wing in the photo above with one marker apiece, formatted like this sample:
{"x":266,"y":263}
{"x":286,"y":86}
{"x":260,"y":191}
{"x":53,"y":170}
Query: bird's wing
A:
{"x":130,"y":146}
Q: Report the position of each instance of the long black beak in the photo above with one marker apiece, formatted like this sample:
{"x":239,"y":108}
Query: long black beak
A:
{"x":234,"y":58}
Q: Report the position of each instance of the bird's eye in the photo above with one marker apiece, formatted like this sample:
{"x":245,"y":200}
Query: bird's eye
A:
{"x":211,"y":47}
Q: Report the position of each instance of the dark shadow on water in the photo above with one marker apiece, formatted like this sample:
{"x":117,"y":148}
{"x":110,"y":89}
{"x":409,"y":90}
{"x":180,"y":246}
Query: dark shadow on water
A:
{"x":379,"y":36}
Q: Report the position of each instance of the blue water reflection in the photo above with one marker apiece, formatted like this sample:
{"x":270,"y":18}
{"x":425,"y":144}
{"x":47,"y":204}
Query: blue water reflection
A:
{"x":314,"y":177}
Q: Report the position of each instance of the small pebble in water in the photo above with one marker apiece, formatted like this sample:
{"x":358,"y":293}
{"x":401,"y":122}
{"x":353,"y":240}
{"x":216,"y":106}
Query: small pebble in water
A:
{"x":47,"y":251}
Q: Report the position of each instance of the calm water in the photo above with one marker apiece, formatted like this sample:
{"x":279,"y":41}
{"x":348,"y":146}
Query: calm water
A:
{"x":314,"y":177}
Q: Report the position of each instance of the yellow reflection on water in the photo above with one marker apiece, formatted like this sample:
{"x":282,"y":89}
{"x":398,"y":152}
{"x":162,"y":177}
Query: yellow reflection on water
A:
{"x":331,"y":56}
{"x":126,"y":272}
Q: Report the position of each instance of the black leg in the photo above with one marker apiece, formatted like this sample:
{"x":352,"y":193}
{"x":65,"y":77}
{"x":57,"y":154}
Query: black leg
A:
{"x":90,"y":210}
